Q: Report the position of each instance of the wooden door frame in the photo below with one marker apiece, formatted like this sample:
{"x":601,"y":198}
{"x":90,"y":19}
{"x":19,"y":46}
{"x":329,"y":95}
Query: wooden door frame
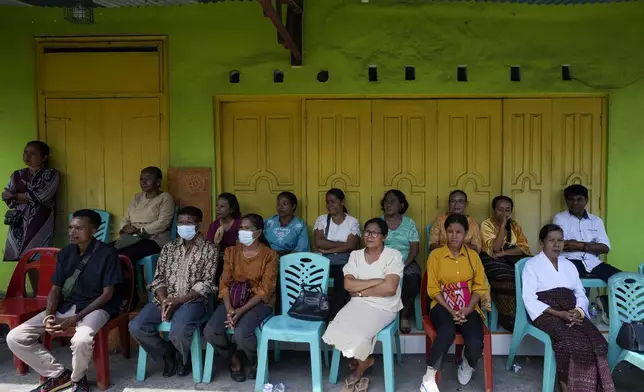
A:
{"x":160,"y":41}
{"x":219,"y":100}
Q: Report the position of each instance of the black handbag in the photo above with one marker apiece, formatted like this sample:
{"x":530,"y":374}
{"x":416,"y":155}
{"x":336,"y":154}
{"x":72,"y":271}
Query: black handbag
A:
{"x":311,"y":304}
{"x":631,"y":336}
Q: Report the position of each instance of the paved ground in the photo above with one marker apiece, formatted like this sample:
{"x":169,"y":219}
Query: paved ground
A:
{"x":294,"y":371}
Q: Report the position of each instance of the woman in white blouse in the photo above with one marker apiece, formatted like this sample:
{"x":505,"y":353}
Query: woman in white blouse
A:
{"x":335,"y":235}
{"x":556,"y":302}
{"x":372,"y":276}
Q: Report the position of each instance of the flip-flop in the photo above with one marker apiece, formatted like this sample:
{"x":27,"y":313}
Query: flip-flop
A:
{"x":349,"y":384}
{"x":362,"y":385}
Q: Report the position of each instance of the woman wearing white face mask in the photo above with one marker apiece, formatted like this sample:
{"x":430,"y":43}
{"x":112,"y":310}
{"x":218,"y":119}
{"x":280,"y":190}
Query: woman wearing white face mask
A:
{"x":247,"y":290}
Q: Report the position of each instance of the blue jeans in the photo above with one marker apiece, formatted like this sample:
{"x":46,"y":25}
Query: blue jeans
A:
{"x":185,"y":321}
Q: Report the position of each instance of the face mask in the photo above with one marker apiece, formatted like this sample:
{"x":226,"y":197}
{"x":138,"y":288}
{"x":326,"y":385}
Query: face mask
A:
{"x":187,"y":232}
{"x":246,"y":237}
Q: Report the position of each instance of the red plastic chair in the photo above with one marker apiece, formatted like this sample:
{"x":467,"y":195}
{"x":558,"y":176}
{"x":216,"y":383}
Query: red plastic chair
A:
{"x":430,"y":333}
{"x":15,"y":309}
{"x":101,"y":346}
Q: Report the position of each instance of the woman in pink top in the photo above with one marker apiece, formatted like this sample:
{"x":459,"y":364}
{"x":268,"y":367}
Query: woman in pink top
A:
{"x":225,"y":229}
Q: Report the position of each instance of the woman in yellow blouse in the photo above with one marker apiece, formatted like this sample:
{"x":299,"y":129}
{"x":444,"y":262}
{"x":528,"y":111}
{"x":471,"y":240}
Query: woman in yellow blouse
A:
{"x":504,"y":244}
{"x":456,"y":283}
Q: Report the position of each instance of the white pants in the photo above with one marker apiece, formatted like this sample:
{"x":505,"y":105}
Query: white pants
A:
{"x":23,"y":342}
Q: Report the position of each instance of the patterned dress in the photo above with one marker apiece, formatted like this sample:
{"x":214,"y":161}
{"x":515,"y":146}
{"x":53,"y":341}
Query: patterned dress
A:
{"x":37,"y":225}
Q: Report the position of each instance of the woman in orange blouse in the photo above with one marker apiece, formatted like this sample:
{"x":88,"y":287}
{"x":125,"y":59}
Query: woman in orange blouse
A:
{"x":503,"y":245}
{"x":456,"y":283}
{"x":247,"y":291}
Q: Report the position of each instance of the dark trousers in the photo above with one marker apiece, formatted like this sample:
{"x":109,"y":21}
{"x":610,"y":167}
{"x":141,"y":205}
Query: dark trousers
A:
{"x":340,"y":296}
{"x":145,"y":247}
{"x":603,"y":271}
{"x":472,"y":331}
{"x":185,"y":322}
{"x":244,"y":337}
{"x":409,"y":291}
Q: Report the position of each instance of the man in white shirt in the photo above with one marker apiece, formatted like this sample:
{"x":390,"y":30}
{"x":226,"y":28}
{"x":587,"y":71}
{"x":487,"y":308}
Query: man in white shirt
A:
{"x":585,"y":237}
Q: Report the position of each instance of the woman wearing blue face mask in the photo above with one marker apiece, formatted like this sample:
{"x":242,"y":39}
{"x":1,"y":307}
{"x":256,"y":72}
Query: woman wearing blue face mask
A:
{"x":247,"y":290}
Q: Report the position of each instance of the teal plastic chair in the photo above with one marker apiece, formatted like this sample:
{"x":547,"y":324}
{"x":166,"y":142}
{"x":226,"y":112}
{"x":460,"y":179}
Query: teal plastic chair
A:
{"x":103,"y":232}
{"x":195,"y":353}
{"x":593,"y":283}
{"x":149,"y":263}
{"x":388,"y":336}
{"x":523,"y":327}
{"x":625,"y":304}
{"x":641,"y":269}
{"x":295,"y":269}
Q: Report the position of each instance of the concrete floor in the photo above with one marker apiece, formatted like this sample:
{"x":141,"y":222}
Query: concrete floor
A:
{"x":294,"y":372}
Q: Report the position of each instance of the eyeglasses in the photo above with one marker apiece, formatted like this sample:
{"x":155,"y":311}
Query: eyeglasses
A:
{"x":369,"y":233}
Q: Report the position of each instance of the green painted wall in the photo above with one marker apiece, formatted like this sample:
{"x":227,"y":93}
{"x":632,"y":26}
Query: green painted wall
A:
{"x":602,"y":42}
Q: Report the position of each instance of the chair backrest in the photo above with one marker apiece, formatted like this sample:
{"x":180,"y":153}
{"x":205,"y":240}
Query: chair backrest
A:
{"x":42,"y":260}
{"x":128,"y":280}
{"x":301,"y":268}
{"x":173,"y":224}
{"x":641,"y":268}
{"x":428,"y":229}
{"x":625,"y":300}
{"x":103,"y":232}
{"x":521,"y":314}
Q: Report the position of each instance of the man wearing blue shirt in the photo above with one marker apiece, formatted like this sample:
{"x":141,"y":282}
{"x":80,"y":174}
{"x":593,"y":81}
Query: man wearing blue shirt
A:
{"x":83,"y":296}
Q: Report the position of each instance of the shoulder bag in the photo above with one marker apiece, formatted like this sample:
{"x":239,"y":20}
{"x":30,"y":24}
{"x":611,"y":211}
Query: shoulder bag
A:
{"x":457,"y":295}
{"x":631,"y":336}
{"x":311,"y":304}
{"x":70,"y":282}
{"x":13,"y":217}
{"x":335,"y":258}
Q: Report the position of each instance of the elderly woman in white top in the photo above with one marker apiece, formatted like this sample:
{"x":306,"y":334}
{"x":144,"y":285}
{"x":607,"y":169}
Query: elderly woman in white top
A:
{"x":335,"y":235}
{"x":372,"y":276}
{"x":556,"y":302}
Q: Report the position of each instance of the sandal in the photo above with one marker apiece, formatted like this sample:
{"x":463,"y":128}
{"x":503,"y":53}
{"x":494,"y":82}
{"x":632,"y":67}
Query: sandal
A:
{"x":362,"y":385}
{"x":405,"y":327}
{"x":238,"y":375}
{"x":349,"y":384}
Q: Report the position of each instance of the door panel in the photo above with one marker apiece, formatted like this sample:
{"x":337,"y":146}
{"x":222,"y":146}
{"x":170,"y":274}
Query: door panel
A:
{"x":469,"y":152}
{"x":577,"y":149}
{"x":404,"y":158}
{"x":100,"y":146}
{"x":527,"y":129}
{"x":338,"y":155}
{"x":261,"y":152}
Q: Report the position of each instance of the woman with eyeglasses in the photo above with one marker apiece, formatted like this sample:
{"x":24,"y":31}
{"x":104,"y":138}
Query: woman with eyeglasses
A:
{"x":372,"y":277}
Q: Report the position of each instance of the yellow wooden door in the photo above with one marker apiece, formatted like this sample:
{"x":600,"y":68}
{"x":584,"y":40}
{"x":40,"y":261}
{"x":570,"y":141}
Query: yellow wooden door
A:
{"x":577,"y":149}
{"x":338,"y":155}
{"x":404,"y":157}
{"x":100,"y":146}
{"x":469,"y":152}
{"x":527,"y":163}
{"x":261,"y":153}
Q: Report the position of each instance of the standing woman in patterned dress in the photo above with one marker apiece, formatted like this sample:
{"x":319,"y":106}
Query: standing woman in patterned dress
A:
{"x":30,"y":196}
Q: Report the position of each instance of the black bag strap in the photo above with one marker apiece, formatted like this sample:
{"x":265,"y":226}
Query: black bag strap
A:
{"x":328,"y":225}
{"x":70,"y":282}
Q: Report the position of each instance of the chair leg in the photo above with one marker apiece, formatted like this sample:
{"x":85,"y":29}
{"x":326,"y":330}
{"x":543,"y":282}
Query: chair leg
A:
{"x":208,"y":363}
{"x":388,"y":362}
{"x":398,"y":349}
{"x":102,"y":359}
{"x":262,"y":363}
{"x":325,"y":351}
{"x":335,"y":367}
{"x":418,"y":313}
{"x":124,"y":337}
{"x":316,"y":365}
{"x":428,"y":347}
{"x":458,"y":353}
{"x":494,"y":318}
{"x":141,"y":364}
{"x":195,"y":354}
{"x":487,"y":362}
{"x":549,"y":369}
{"x":276,"y":351}
{"x":517,"y":336}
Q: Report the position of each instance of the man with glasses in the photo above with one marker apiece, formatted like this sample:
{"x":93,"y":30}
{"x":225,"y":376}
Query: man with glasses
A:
{"x":457,"y":205}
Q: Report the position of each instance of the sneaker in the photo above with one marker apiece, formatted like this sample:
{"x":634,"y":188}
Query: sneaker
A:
{"x":465,"y":372}
{"x":80,"y":385}
{"x":429,"y":381}
{"x":53,"y":384}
